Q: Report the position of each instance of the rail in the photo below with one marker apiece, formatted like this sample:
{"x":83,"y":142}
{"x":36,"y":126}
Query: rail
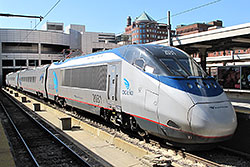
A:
{"x":83,"y":162}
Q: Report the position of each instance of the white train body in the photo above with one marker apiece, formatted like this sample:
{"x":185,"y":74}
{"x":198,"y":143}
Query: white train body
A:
{"x":12,"y":79}
{"x":154,"y":88}
{"x":33,"y":80}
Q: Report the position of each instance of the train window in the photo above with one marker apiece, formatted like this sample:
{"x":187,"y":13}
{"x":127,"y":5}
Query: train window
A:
{"x":131,"y":54}
{"x":139,"y":63}
{"x":180,"y":66}
{"x":174,"y":67}
{"x":92,"y":77}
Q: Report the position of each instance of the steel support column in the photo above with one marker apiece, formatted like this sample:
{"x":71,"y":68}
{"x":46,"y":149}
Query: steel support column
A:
{"x":203,"y":57}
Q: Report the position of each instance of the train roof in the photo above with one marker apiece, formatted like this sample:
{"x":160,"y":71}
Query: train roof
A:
{"x":162,"y":51}
{"x":154,"y":49}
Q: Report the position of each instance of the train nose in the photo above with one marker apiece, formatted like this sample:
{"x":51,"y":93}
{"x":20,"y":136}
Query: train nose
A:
{"x":212,"y":120}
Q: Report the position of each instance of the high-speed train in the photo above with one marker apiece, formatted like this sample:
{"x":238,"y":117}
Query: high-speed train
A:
{"x":152,"y":89}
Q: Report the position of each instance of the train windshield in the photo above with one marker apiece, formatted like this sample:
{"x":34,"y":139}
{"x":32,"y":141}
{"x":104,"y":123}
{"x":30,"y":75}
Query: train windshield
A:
{"x":182,"y":66}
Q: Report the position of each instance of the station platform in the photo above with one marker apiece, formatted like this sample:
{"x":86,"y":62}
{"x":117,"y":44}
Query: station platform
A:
{"x":241,"y":106}
{"x":110,"y":148}
{"x":6,"y":157}
{"x":240,"y":99}
{"x":240,"y":140}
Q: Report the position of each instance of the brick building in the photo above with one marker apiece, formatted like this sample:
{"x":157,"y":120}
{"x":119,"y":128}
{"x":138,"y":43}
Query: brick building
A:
{"x":197,"y":27}
{"x":200,"y":27}
{"x":145,"y":29}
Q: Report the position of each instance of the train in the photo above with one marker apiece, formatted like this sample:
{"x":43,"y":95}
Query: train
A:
{"x":148,"y":88}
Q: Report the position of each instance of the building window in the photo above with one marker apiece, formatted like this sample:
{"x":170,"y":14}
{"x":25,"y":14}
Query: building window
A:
{"x":52,"y":49}
{"x":7,"y":63}
{"x":33,"y":63}
{"x":9,"y":47}
{"x":20,"y":62}
{"x":45,"y":62}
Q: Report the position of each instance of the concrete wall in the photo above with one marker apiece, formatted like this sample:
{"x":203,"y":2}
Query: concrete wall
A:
{"x":74,"y":37}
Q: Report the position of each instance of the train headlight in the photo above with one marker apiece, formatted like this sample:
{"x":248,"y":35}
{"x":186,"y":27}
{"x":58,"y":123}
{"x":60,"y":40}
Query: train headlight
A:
{"x":189,"y":85}
{"x":213,"y":85}
{"x":198,"y":85}
{"x":206,"y":85}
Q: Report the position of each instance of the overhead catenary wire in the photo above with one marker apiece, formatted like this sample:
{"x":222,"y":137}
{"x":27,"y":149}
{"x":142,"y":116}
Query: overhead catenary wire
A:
{"x":43,"y":19}
{"x":185,"y":11}
{"x":192,"y":9}
{"x":34,"y":28}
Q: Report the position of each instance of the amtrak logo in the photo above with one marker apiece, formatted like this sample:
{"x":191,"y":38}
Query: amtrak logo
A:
{"x":128,"y":91}
{"x":126,"y":83}
{"x":55,"y":80}
{"x":41,"y":78}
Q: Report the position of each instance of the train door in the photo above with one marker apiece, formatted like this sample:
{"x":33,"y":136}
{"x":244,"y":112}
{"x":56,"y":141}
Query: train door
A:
{"x":151,"y":108}
{"x":113,"y":91}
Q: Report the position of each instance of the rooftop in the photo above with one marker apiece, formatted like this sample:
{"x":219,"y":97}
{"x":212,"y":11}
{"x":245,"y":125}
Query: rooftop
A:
{"x":144,"y":17}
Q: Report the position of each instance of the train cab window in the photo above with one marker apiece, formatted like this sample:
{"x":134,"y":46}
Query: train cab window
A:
{"x":142,"y":59}
{"x":131,"y":54}
{"x":139,"y":63}
{"x":142,"y":65}
{"x":174,"y":67}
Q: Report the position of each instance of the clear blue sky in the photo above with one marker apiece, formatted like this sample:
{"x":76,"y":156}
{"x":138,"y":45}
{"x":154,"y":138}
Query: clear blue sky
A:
{"x":111,"y":15}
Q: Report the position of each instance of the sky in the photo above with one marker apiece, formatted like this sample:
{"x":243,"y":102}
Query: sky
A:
{"x":111,"y":15}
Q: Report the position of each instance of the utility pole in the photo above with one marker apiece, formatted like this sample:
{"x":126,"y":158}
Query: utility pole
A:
{"x":169,"y":30}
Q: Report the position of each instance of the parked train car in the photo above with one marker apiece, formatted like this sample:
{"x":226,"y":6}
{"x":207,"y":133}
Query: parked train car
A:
{"x":33,"y":80}
{"x":12,"y":79}
{"x":149,"y":88}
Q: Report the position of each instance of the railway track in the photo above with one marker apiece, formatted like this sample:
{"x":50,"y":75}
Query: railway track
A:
{"x":162,"y":154}
{"x":42,"y":146}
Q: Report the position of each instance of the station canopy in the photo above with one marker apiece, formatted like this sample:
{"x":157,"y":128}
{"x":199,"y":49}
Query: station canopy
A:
{"x":229,"y":38}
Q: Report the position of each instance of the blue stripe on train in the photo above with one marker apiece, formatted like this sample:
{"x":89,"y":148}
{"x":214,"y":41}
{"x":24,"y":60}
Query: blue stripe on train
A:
{"x":206,"y":87}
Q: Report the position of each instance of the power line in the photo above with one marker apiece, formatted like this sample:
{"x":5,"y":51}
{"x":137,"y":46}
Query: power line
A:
{"x":192,"y":9}
{"x":43,"y":18}
{"x":52,"y":8}
{"x":186,"y":11}
{"x":198,"y":7}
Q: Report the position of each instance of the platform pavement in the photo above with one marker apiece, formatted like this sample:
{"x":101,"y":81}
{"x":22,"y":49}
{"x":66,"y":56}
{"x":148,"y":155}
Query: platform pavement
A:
{"x":85,"y":135}
{"x":6,"y":158}
{"x":241,"y":106}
